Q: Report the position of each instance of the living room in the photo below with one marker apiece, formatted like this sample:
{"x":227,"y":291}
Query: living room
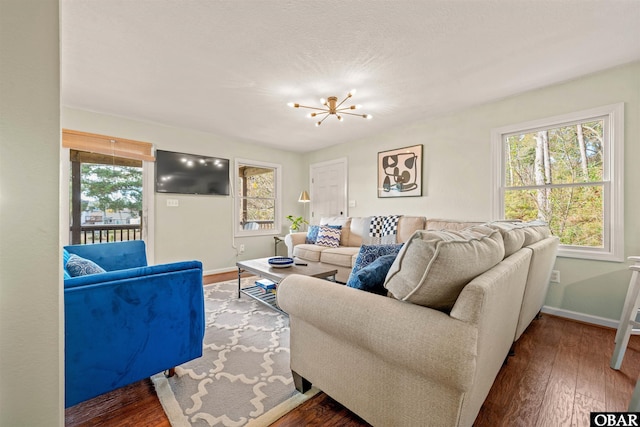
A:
{"x":457,"y":184}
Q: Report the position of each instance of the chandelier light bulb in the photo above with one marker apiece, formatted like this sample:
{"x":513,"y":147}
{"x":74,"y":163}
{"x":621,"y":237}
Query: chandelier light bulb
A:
{"x":351,"y":93}
{"x":318,"y":124}
{"x":339,"y":117}
{"x":367,"y":116}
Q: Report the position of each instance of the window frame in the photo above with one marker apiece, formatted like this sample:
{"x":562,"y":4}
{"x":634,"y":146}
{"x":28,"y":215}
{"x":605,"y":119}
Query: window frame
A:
{"x":277,"y":224}
{"x":613,"y":176}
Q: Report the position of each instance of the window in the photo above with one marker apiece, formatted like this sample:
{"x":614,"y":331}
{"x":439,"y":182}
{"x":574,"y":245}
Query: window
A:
{"x":567,"y":171}
{"x":257,"y":198}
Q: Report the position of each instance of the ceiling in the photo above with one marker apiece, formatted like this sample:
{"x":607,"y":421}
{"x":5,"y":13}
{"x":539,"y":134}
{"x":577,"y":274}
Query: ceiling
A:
{"x":231,"y":67}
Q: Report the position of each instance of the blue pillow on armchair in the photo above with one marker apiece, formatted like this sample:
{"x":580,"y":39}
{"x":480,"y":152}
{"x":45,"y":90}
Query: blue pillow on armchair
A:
{"x":78,"y":266}
{"x":371,"y":278}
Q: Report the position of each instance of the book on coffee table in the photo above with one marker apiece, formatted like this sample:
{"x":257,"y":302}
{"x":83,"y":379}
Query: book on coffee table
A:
{"x":266,"y":284}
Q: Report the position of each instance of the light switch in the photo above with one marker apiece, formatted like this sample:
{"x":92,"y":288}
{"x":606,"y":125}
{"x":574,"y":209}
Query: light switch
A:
{"x":172,"y":203}
{"x":352,"y":203}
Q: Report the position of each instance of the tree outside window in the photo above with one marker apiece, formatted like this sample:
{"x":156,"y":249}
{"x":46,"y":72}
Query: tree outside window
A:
{"x":567,"y":173}
{"x":257,"y":206}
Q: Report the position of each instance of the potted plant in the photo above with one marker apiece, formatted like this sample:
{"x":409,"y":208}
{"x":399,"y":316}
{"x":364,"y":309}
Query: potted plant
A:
{"x":296,"y":223}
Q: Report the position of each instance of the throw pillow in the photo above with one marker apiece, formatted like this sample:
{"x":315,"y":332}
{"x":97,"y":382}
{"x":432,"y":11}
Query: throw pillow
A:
{"x":312,"y":234}
{"x":328,"y":236}
{"x":433,"y":267}
{"x":369,"y":253}
{"x":78,"y":266}
{"x":371,"y":278}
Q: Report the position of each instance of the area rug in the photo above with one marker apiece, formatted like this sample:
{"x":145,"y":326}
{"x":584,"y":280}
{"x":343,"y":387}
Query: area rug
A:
{"x":243,"y":377}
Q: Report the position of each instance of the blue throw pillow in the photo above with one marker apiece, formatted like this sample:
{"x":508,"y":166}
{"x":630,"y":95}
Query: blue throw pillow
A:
{"x":371,"y":278}
{"x":312,"y":234}
{"x":77,"y":266}
{"x":369,"y":253}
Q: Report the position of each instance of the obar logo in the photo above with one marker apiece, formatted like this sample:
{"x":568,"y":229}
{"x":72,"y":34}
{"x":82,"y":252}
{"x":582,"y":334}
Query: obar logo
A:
{"x":611,"y":419}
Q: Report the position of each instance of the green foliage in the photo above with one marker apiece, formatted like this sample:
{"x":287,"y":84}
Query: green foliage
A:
{"x":296,"y":222}
{"x":550,"y":163}
{"x":107,"y":187}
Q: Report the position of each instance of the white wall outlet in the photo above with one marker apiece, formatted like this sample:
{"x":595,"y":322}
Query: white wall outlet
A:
{"x":241,"y":250}
{"x":172,"y":203}
{"x":555,"y":276}
{"x":352,"y":203}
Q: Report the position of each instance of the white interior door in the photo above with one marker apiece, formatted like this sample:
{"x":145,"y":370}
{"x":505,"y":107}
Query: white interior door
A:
{"x":328,"y":189}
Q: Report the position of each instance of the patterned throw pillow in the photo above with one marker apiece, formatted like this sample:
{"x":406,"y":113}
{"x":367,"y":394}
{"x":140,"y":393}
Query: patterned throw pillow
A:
{"x":77,"y":266}
{"x":312,"y":234}
{"x":370,"y":253}
{"x":328,"y":236}
{"x":371,"y":278}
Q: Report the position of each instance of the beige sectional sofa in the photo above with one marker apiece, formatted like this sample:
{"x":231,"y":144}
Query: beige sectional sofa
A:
{"x":428,"y":354}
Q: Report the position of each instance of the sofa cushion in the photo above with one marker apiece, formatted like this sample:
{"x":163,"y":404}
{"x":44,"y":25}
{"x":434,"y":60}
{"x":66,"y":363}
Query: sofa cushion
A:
{"x":341,"y":256}
{"x":312,"y":234}
{"x":512,"y":235}
{"x":328,"y":236}
{"x":449,"y":224}
{"x":367,"y":254}
{"x":371,"y":277}
{"x":433,"y":267}
{"x":308,"y":252}
{"x":78,"y":266}
{"x":534,"y":231}
{"x":342,"y":221}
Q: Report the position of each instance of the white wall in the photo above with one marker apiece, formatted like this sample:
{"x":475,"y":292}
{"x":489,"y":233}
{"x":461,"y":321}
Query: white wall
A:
{"x":31,"y":335}
{"x":457,"y":174}
{"x":201,"y":227}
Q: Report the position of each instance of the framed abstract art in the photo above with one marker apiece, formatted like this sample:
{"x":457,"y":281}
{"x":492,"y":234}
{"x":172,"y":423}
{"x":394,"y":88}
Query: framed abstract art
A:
{"x":400,"y":172}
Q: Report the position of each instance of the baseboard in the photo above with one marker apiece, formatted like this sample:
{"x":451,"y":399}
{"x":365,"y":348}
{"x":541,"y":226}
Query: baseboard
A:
{"x":581,"y":317}
{"x":220,"y":271}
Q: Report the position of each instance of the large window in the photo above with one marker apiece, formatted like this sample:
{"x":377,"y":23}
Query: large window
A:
{"x":257,"y":188}
{"x":566,"y":171}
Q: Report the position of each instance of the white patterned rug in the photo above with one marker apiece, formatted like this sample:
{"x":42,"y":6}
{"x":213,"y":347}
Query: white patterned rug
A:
{"x":243,"y":377}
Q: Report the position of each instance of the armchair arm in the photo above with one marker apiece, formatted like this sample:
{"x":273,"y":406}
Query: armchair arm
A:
{"x":426,"y":341}
{"x":293,"y":239}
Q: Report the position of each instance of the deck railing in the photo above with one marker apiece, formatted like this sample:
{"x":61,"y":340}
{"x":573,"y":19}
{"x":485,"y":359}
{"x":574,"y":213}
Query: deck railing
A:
{"x":109,"y":233}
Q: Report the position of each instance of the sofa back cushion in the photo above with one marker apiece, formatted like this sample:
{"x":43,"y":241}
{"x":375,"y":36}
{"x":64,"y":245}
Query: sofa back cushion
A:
{"x":359,"y":229}
{"x":433,"y":267}
{"x":113,"y":255}
{"x":449,"y":224}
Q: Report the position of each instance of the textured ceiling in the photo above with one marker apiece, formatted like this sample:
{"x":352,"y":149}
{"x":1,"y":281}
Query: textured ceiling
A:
{"x":230,"y":67}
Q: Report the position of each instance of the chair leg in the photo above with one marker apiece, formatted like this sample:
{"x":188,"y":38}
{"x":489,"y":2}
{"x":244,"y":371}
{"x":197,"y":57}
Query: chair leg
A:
{"x":627,"y":319}
{"x":170,"y":372}
{"x":634,"y":404}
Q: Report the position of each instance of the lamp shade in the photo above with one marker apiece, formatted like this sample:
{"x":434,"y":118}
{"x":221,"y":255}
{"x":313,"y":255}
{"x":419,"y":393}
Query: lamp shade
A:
{"x":304,"y":197}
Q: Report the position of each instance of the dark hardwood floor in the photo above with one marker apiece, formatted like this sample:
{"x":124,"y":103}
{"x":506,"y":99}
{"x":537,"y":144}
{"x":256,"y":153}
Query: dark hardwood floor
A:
{"x":560,"y":372}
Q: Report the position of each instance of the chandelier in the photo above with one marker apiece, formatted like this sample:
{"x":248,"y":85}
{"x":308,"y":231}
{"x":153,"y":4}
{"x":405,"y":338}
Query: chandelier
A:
{"x":332,"y":108}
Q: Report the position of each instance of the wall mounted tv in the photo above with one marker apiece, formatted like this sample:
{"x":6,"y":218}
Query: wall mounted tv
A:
{"x":191,"y":174}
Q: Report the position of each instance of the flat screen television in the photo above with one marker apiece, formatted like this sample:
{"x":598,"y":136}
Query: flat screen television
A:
{"x":191,"y":174}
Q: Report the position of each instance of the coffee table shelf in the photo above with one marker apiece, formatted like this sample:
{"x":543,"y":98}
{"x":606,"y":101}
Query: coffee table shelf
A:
{"x":268,"y":298}
{"x":262,"y":268}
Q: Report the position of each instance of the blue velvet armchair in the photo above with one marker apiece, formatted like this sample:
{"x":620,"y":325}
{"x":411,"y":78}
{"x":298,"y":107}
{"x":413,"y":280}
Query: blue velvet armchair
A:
{"x":131,"y":321}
